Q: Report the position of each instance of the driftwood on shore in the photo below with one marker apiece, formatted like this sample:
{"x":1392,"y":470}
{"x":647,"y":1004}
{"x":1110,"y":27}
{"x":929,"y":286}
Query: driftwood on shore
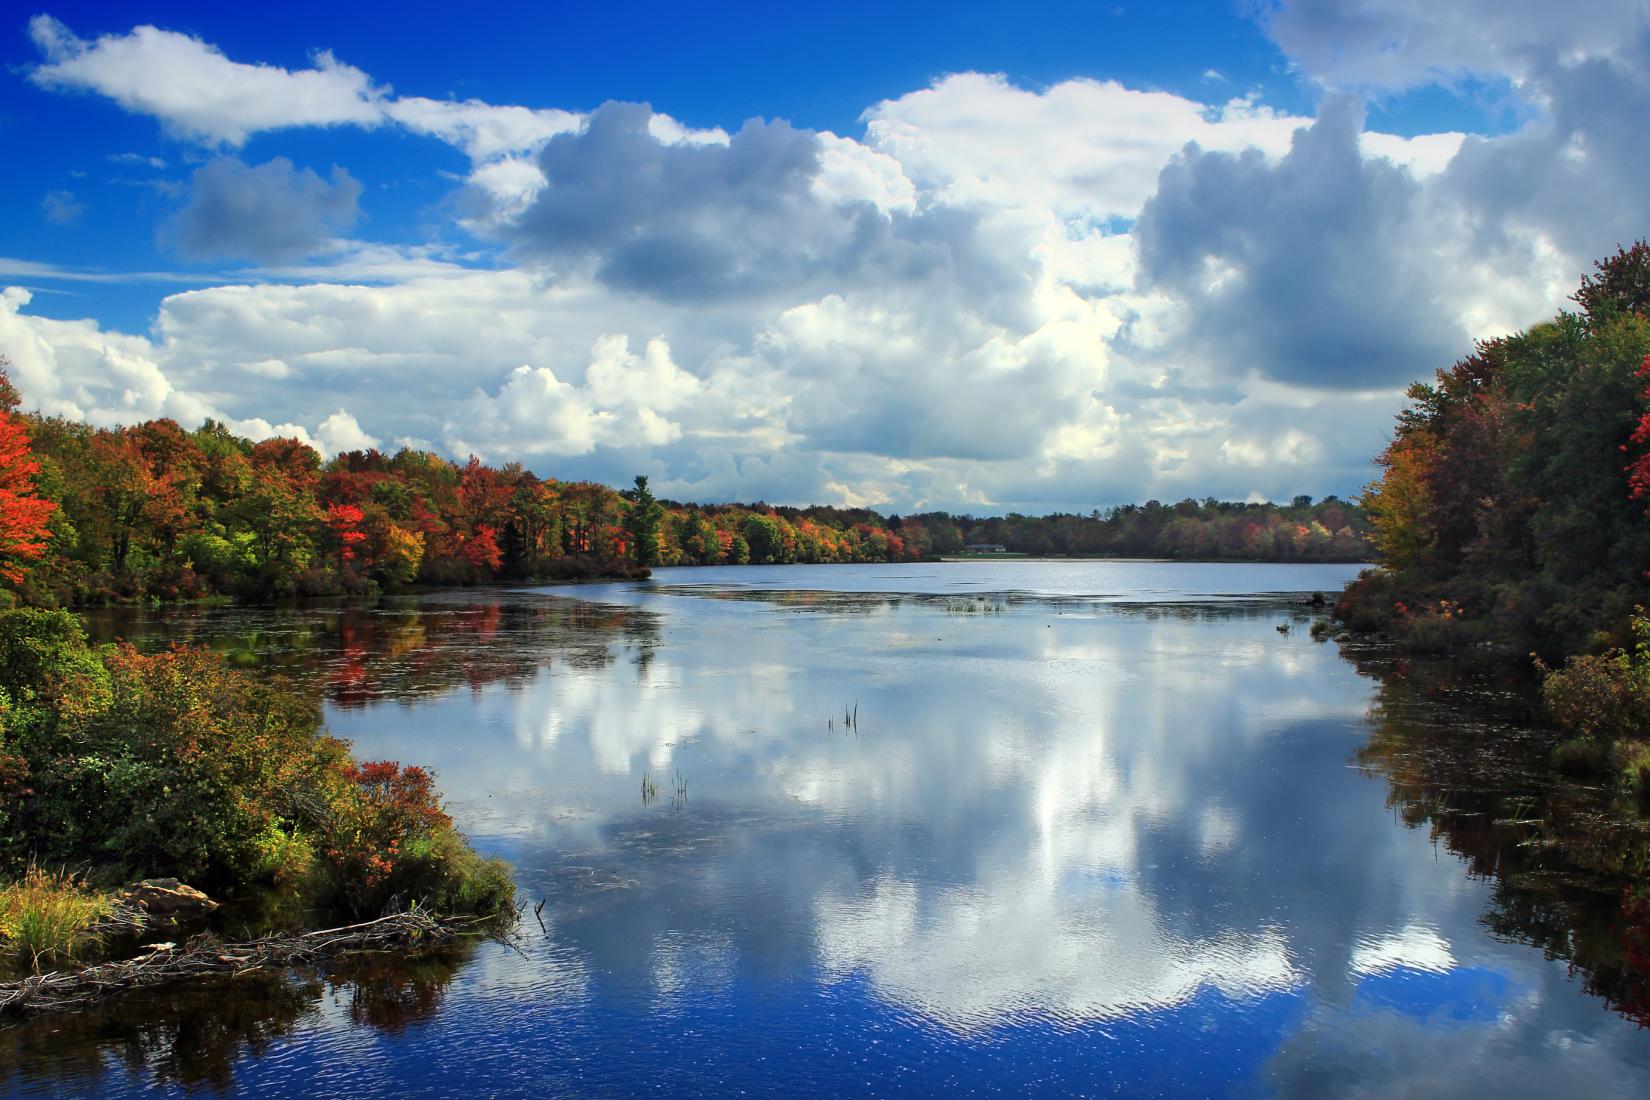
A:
{"x":206,"y":955}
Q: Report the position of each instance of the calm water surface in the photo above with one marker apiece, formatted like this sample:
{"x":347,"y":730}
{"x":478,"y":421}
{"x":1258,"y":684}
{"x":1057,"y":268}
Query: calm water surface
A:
{"x":1100,"y":828}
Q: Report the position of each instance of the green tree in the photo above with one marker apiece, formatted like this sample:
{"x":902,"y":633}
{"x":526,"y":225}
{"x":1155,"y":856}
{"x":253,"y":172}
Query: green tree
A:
{"x":280,"y":510}
{"x":763,"y":538}
{"x":642,"y":524}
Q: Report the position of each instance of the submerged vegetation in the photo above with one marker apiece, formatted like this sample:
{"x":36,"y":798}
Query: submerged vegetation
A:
{"x":978,"y":605}
{"x":1511,"y":512}
{"x":174,"y":764}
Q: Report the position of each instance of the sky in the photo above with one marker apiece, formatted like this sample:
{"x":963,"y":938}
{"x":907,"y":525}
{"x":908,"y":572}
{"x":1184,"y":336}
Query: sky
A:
{"x":965,"y":256}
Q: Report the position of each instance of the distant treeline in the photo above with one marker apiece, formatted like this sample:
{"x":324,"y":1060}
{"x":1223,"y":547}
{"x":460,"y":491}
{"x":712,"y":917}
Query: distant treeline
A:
{"x":155,"y":511}
{"x":1328,"y":530}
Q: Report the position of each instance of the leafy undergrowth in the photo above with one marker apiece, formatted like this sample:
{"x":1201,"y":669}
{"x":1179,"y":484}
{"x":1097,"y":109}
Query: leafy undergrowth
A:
{"x":174,"y":764}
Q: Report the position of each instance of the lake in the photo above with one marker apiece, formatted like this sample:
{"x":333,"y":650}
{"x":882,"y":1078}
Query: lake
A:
{"x":975,"y":828}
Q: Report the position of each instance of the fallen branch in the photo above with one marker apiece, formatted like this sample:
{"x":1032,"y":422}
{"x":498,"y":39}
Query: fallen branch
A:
{"x":64,"y":990}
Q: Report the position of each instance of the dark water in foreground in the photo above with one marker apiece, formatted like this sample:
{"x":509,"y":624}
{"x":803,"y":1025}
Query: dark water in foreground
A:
{"x":1078,"y":844}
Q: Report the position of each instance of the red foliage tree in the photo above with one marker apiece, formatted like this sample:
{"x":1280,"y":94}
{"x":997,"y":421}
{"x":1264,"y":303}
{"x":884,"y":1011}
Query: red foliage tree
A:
{"x":23,"y":515}
{"x":481,"y":549}
{"x":1638,"y":471}
{"x":344,"y":524}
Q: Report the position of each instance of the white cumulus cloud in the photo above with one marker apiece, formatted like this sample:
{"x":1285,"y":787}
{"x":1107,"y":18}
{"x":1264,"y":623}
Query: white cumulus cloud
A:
{"x":197,"y":91}
{"x":994,"y":296}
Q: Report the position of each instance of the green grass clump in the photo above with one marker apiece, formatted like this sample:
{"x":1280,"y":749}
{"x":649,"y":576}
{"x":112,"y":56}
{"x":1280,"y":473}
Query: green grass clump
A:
{"x":1581,"y":756}
{"x":47,"y":916}
{"x":442,"y":872}
{"x":1635,"y":764}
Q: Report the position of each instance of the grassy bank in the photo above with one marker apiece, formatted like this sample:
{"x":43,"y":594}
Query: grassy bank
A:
{"x":131,"y":765}
{"x":47,"y":917}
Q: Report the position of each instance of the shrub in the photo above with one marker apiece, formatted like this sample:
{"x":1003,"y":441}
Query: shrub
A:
{"x":176,"y":764}
{"x":14,"y":768}
{"x":1635,"y":764}
{"x":187,"y":769}
{"x":44,"y":652}
{"x":1599,"y":697}
{"x":444,"y":873}
{"x":390,"y":839}
{"x":1368,"y":604}
{"x":1437,"y":627}
{"x":1581,"y":756}
{"x":382,"y":809}
{"x":284,"y":856}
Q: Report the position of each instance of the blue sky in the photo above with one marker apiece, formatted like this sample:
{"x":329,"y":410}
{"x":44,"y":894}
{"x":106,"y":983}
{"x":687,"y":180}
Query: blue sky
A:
{"x":969,"y":256}
{"x":817,"y":68}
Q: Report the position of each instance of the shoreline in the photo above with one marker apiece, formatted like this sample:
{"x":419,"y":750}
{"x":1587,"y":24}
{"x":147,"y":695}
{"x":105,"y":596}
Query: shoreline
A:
{"x":407,"y":932}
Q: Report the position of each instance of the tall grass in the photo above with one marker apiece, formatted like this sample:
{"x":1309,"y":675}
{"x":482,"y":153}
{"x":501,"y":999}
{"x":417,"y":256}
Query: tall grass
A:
{"x":443,"y":873}
{"x":1635,"y":764}
{"x":46,"y":916}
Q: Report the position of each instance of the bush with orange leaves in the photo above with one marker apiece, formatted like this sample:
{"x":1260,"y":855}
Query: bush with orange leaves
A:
{"x":389,"y":838}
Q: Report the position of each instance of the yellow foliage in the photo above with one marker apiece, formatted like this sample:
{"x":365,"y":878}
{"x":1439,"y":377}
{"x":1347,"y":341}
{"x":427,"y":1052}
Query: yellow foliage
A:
{"x":1399,"y":502}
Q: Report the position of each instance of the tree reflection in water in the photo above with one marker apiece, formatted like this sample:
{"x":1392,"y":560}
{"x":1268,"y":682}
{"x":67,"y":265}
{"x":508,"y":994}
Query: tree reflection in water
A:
{"x":192,"y":1035}
{"x":1566,"y":857}
{"x":1457,"y":750}
{"x":408,"y":648}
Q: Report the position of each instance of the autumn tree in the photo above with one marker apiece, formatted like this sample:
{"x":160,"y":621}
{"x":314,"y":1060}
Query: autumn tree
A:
{"x":1505,"y":497}
{"x":400,"y":553}
{"x":174,"y":461}
{"x":484,"y":496}
{"x":24,"y":515}
{"x":1638,"y":471}
{"x":533,"y":533}
{"x":344,"y":531}
{"x":1619,"y":284}
{"x":763,"y":538}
